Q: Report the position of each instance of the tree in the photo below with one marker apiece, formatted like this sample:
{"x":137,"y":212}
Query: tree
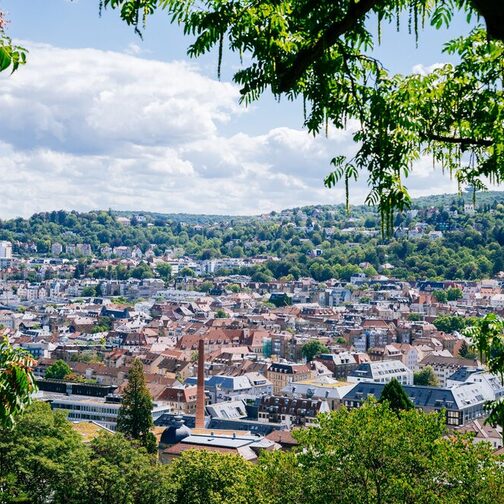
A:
{"x":372,"y":454}
{"x":164,"y":270}
{"x":220,"y":313}
{"x":205,"y":477}
{"x":42,"y":459}
{"x":394,"y":394}
{"x":465,"y":351}
{"x":454,"y":294}
{"x":426,"y":377}
{"x":58,"y":370}
{"x":187,"y":272}
{"x":322,"y":53}
{"x":449,"y":323}
{"x":440,"y":296}
{"x":487,"y":336}
{"x":17,"y":382}
{"x":135,"y":415}
{"x":88,"y":291}
{"x":313,"y":348}
{"x":121,"y":472}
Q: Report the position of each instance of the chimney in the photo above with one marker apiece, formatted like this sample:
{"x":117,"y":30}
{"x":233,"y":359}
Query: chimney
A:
{"x":200,"y":394}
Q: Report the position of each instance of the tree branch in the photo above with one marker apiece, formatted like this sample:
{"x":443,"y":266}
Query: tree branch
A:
{"x":463,"y":141}
{"x":493,"y":13}
{"x":306,"y":56}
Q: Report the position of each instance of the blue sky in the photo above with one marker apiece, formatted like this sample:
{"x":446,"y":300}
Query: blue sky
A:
{"x":100,"y":118}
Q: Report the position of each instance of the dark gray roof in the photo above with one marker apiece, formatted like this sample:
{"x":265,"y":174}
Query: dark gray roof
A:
{"x":463,"y":373}
{"x":422,"y":397}
{"x":362,"y":371}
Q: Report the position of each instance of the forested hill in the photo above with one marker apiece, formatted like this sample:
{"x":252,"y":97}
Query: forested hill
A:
{"x":441,"y":237}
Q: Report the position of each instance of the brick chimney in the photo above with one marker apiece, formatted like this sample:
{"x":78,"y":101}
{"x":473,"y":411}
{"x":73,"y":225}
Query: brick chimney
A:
{"x":200,"y":394}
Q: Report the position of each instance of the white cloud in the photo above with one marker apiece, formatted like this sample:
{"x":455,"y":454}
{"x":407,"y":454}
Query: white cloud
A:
{"x":426,"y":69}
{"x":86,"y":129}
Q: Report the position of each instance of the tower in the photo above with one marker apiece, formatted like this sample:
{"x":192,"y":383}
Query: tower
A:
{"x":200,"y":392}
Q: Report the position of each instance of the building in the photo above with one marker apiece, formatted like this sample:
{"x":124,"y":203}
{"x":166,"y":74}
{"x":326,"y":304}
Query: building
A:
{"x":290,"y":411}
{"x":56,"y":249}
{"x":323,"y":388}
{"x":444,"y":367}
{"x":5,"y":250}
{"x":281,"y":375}
{"x":225,"y":388}
{"x":340,"y":364}
{"x":381,"y":372}
{"x":461,"y":404}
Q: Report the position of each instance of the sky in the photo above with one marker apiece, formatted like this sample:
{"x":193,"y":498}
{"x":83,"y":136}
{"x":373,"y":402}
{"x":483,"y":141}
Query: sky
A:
{"x":99,"y":118}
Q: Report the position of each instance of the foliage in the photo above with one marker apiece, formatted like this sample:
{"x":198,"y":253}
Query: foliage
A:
{"x":470,"y":249}
{"x":42,"y":459}
{"x":466,"y":352}
{"x":164,"y":270}
{"x":487,"y":335}
{"x":205,"y":477}
{"x":58,"y":370}
{"x":11,"y":55}
{"x":220,"y":313}
{"x":449,"y":323}
{"x":119,"y":471}
{"x":454,"y":294}
{"x":440,"y":296}
{"x":313,"y":348}
{"x":88,"y":291}
{"x":373,"y":454}
{"x":135,"y":415}
{"x":323,"y":54}
{"x":426,"y":377}
{"x":17,"y":382}
{"x":394,"y":394}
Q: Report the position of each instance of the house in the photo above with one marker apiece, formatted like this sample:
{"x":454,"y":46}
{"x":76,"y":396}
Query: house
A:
{"x":281,"y":374}
{"x":483,"y":432}
{"x":461,"y":404}
{"x":290,"y":411}
{"x":381,"y":372}
{"x":444,"y":366}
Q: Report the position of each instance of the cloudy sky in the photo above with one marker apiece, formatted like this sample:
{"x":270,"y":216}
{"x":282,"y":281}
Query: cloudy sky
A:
{"x":100,"y":119}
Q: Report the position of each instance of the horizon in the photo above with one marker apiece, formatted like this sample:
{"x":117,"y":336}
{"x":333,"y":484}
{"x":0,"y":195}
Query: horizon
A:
{"x":245,"y":216}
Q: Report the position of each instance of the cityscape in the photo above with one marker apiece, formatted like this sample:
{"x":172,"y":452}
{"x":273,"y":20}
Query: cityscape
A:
{"x":193,"y":349}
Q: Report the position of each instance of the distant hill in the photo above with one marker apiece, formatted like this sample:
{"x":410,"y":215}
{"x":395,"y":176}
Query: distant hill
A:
{"x":482,"y":198}
{"x":182,"y":217}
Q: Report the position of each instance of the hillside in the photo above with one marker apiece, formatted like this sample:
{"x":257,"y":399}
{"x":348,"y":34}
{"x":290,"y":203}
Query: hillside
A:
{"x":438,"y":238}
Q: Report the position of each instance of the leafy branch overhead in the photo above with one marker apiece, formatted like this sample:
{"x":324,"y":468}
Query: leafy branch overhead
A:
{"x":321,"y":52}
{"x":11,"y":55}
{"x":17,"y":383}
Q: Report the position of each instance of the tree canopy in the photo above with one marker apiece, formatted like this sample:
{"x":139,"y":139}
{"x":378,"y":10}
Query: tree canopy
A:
{"x":426,"y":377}
{"x":58,"y":370}
{"x":371,"y":454}
{"x":322,"y":53}
{"x":487,"y":335}
{"x":394,"y":394}
{"x":135,"y":415}
{"x":313,"y":348}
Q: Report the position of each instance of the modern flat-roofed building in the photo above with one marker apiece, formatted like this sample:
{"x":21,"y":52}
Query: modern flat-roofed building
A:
{"x":462,"y":404}
{"x":381,"y":372}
